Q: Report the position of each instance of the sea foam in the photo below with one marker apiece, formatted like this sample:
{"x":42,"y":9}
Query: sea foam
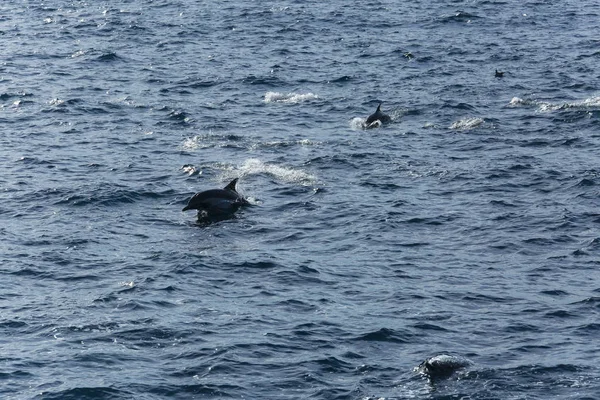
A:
{"x":255,"y":166}
{"x":291,"y":98}
{"x":467,"y":123}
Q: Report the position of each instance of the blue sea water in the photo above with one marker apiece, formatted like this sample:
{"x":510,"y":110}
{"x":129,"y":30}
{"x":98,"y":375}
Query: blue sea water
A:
{"x":469,"y":226}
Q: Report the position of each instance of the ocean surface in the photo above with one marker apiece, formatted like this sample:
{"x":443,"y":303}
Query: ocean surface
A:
{"x":468,"y":227}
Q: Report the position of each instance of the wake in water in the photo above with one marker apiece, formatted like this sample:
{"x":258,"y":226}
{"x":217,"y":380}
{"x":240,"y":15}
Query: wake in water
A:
{"x":592,"y":103}
{"x":466,"y":124}
{"x":255,"y":166}
{"x":290,"y":98}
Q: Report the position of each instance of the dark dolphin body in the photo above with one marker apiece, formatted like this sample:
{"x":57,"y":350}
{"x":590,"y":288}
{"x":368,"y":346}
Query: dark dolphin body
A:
{"x":217,"y":203}
{"x":377,"y":116}
{"x":442,"y":366}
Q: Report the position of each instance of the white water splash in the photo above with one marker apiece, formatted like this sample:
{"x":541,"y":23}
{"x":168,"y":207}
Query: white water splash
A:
{"x":357,"y":123}
{"x":192,"y":143}
{"x":545,"y":106}
{"x":467,"y":123}
{"x":202,"y":141}
{"x":255,"y":166}
{"x":290,"y":98}
{"x":517,"y":101}
{"x":360,"y":124}
{"x":56,"y":102}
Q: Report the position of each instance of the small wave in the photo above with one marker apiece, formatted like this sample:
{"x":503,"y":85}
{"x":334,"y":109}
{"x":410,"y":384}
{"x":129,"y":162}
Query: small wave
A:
{"x":107,"y":195}
{"x":342,"y":79}
{"x":460,"y":16}
{"x":108,"y":57}
{"x":384,"y":335}
{"x":285,"y":143}
{"x":467,"y":123}
{"x":85,"y":392}
{"x":178,"y":115}
{"x":255,"y":166}
{"x":96,"y":55}
{"x":290,"y":98}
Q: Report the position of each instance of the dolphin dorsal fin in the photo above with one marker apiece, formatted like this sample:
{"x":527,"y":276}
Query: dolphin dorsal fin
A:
{"x":231,"y":185}
{"x":378,"y":108}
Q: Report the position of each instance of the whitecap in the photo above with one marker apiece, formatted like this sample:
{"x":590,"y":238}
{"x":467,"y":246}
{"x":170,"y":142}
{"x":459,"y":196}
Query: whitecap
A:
{"x":467,"y":123}
{"x":290,"y":98}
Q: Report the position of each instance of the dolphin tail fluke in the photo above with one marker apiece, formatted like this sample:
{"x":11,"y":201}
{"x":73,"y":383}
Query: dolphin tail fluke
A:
{"x":231,"y":185}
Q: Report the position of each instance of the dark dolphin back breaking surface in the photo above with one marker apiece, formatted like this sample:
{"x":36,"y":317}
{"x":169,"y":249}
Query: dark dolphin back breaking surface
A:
{"x":219,"y":202}
{"x":378,"y":115}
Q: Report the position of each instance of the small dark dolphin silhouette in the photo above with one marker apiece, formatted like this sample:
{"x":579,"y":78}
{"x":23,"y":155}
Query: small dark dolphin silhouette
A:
{"x":217,"y":202}
{"x":378,"y":116}
{"x":499,"y":74}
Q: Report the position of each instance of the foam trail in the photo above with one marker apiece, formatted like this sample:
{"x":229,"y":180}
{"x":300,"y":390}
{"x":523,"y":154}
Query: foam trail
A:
{"x":255,"y":166}
{"x":467,"y":123}
{"x":290,"y":98}
{"x":545,"y":106}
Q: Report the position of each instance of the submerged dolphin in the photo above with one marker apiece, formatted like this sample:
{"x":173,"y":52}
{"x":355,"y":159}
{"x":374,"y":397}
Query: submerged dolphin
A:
{"x":377,"y":116}
{"x":217,"y":202}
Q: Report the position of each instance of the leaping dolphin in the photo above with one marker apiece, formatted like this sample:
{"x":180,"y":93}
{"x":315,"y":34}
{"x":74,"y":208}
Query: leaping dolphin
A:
{"x":217,"y":202}
{"x":377,"y":116}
